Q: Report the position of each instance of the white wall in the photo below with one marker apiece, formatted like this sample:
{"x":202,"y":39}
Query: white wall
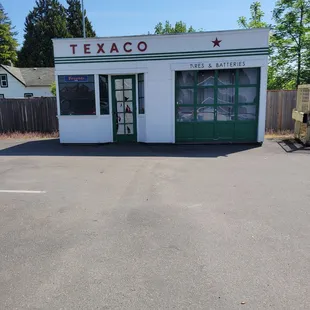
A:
{"x":16,"y":89}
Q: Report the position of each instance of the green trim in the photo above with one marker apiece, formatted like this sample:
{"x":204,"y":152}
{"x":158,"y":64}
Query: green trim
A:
{"x":161,"y":56}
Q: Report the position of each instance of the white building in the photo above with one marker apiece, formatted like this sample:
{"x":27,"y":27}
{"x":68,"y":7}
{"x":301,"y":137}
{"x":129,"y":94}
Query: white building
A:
{"x":198,"y":87}
{"x":25,"y":82}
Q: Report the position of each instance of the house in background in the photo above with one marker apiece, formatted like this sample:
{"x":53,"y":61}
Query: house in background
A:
{"x":25,"y":82}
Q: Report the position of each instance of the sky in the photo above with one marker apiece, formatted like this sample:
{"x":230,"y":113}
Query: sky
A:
{"x":123,"y":17}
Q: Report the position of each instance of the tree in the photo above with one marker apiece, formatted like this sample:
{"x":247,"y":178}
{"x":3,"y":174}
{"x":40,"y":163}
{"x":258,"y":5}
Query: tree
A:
{"x":292,"y":41}
{"x":47,"y":20}
{"x":255,"y":21}
{"x":8,"y":43}
{"x":180,"y":27}
{"x":75,"y":18}
{"x":53,"y":89}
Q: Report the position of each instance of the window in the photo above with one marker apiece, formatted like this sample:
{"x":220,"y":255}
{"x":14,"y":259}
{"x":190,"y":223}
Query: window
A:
{"x":141,"y":100}
{"x":104,"y":94}
{"x":4,"y":80}
{"x":1,"y":96}
{"x":28,"y":95}
{"x":77,"y":94}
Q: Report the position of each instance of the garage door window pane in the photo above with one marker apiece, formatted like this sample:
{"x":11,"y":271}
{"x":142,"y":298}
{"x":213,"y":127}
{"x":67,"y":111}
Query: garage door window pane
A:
{"x":185,"y":78}
{"x":205,"y":114}
{"x":104,"y":94}
{"x":77,"y":94}
{"x":185,"y":96}
{"x":247,"y":76}
{"x":225,"y":114}
{"x":205,"y":96}
{"x":206,"y":78}
{"x":247,"y":95}
{"x":185,"y":114}
{"x":226,"y":95}
{"x":247,"y":113}
{"x":226,"y":77}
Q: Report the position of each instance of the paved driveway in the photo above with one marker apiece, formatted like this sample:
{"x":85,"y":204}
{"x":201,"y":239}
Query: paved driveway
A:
{"x":154,"y":227}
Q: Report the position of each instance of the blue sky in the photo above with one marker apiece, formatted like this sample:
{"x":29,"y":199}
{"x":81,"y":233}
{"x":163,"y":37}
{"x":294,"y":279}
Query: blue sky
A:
{"x":123,"y":17}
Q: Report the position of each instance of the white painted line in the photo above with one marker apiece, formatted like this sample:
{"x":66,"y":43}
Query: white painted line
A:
{"x":22,"y":192}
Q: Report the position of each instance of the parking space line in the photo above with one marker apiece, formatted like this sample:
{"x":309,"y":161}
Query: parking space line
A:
{"x":22,"y":192}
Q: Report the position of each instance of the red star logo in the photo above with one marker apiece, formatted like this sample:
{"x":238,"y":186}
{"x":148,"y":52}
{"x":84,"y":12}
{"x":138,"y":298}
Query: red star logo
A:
{"x":216,"y":42}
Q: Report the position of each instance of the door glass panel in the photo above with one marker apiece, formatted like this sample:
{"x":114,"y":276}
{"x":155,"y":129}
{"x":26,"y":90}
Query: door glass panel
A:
{"x":225,"y":113}
{"x":185,"y":78}
{"x":119,"y":95}
{"x":129,"y":129}
{"x":247,"y":76}
{"x":185,"y":96}
{"x":205,"y":96}
{"x":128,"y":118}
{"x":226,"y":77}
{"x":247,"y":95}
{"x":128,"y":84}
{"x":120,"y":118}
{"x":128,"y":95}
{"x":120,"y":107}
{"x":247,"y":113}
{"x":120,"y":130}
{"x":205,"y":114}
{"x":185,"y":114}
{"x":119,"y":84}
{"x":128,"y":107}
{"x":226,"y":95}
{"x":206,"y":78}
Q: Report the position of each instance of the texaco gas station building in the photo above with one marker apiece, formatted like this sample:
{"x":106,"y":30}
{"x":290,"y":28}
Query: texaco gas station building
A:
{"x":199,"y":88}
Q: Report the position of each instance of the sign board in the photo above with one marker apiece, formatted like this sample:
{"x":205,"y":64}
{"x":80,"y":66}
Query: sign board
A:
{"x":76,"y":78}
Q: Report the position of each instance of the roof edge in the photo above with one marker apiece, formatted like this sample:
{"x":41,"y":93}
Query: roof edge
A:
{"x":4,"y":68}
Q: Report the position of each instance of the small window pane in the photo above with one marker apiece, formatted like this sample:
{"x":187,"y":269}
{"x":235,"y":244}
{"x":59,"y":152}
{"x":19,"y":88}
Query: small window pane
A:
{"x":185,"y":78}
{"x":128,"y":118}
{"x":104,"y":94}
{"x":28,"y":95}
{"x":1,"y":96}
{"x":247,"y":95}
{"x":128,"y":84}
{"x":119,"y":84}
{"x":248,"y":76}
{"x":119,"y":95}
{"x":185,"y":114}
{"x":141,"y":106}
{"x":205,"y":96}
{"x":141,"y":89}
{"x":120,"y":130}
{"x":120,"y":118}
{"x":226,"y":77}
{"x":3,"y":78}
{"x":225,"y":114}
{"x":128,"y":107}
{"x":185,"y":96}
{"x":206,"y":78}
{"x":226,"y":95}
{"x":247,"y":113}
{"x":141,"y":77}
{"x":77,"y":95}
{"x":129,"y":129}
{"x":128,"y":95}
{"x":205,"y":114}
{"x":141,"y":93}
{"x":120,"y":107}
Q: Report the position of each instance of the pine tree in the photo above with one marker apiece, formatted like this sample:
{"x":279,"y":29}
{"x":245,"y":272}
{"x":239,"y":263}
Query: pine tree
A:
{"x":46,"y":21}
{"x":75,"y":20}
{"x":8,"y":44}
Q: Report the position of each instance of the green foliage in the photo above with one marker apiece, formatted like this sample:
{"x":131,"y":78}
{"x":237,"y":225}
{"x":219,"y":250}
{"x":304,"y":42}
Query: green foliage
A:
{"x":53,"y":89}
{"x":179,"y":27}
{"x":255,"y":21}
{"x":75,"y":18}
{"x":8,"y":43}
{"x":291,"y":42}
{"x":47,"y":20}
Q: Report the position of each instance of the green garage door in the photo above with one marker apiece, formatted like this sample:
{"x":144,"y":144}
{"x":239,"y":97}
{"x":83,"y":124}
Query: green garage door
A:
{"x":217,"y":105}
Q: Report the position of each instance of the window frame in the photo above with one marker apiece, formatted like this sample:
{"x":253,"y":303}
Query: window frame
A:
{"x":26,"y":95}
{"x":6,"y":80}
{"x":142,"y":81}
{"x":2,"y":96}
{"x":108,"y":89}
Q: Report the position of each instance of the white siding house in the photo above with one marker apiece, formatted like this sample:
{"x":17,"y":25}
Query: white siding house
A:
{"x":25,"y":82}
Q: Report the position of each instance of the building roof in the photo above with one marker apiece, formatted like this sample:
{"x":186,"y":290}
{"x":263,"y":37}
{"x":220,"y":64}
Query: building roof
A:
{"x":32,"y":76}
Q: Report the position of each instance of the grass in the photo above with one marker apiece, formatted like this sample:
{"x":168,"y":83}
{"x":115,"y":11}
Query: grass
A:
{"x":282,"y":134}
{"x":28,"y":135}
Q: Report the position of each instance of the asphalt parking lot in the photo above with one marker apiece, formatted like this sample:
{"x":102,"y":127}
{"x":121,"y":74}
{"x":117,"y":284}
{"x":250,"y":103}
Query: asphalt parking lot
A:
{"x":154,"y":227}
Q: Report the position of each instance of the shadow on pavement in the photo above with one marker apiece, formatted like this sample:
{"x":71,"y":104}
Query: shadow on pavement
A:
{"x":291,"y":146}
{"x":52,"y":147}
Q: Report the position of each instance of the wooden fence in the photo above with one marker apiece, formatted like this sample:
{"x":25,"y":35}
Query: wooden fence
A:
{"x":280,"y":105}
{"x":39,"y":114}
{"x":28,"y":115}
